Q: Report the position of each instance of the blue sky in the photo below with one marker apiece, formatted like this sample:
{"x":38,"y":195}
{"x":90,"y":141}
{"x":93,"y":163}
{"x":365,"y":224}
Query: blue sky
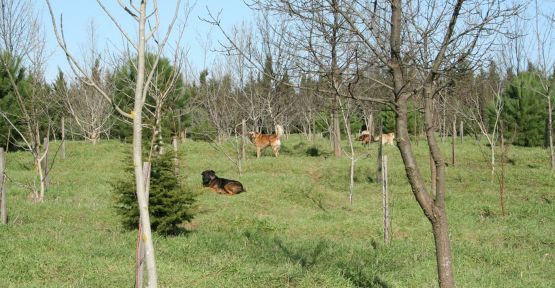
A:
{"x":78,"y":14}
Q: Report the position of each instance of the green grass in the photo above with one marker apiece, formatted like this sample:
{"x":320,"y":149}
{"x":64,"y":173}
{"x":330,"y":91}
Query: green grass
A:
{"x":293,"y":228}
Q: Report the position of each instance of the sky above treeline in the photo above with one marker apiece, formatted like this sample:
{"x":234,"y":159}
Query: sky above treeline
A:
{"x":201,"y":40}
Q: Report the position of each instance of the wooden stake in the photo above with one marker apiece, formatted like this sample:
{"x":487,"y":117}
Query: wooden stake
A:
{"x":3,"y":191}
{"x":453,"y":143}
{"x":45,"y":163}
{"x":179,"y":125}
{"x":379,"y":168}
{"x":175,"y":156}
{"x":386,"y":220}
{"x":243,"y":135}
{"x":63,"y":139}
{"x":461,"y":131}
{"x":370,"y":127}
{"x":502,"y":172}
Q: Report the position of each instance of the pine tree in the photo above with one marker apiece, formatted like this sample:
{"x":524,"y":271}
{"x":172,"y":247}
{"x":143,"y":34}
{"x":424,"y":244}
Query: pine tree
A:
{"x":524,"y":110}
{"x":170,"y":204}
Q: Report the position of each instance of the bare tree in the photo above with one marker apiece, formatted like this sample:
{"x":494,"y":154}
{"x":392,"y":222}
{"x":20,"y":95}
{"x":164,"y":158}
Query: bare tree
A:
{"x":346,"y":113}
{"x":544,"y":42}
{"x":23,"y":46}
{"x":491,"y":135}
{"x":91,"y":114}
{"x":138,"y":12}
{"x":406,"y":38}
{"x":328,"y":47}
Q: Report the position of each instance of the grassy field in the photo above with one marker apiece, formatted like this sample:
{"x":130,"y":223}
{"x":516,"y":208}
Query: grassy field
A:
{"x":293,"y":228}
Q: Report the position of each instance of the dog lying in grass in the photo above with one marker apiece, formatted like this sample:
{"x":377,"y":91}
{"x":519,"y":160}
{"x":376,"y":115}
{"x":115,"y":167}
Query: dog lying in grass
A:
{"x":262,"y":141}
{"x":221,"y":185}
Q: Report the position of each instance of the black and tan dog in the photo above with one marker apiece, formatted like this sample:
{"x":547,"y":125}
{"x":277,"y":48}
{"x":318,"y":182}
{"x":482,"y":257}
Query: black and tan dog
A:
{"x":221,"y":185}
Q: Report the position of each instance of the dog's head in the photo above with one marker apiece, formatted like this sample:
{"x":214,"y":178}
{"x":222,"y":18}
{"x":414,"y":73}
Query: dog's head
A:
{"x":208,"y":176}
{"x":252,"y":135}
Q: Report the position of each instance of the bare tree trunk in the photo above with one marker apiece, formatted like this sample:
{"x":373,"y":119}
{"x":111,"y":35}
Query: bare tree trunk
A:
{"x":379,"y":178}
{"x":139,"y":258}
{"x":433,"y":208}
{"x":454,"y":136}
{"x":444,"y":129}
{"x":3,"y":191}
{"x":461,"y":132}
{"x":243,"y":135}
{"x":433,"y":175}
{"x":175,"y":155}
{"x":8,"y":138}
{"x":137,"y":153}
{"x":550,"y":131}
{"x":386,"y":220}
{"x":370,"y":125}
{"x":330,"y":130}
{"x":336,"y":132}
{"x":42,"y":187}
{"x":502,"y":172}
{"x":352,"y":175}
{"x":45,"y":162}
{"x":179,"y":126}
{"x":63,"y":138}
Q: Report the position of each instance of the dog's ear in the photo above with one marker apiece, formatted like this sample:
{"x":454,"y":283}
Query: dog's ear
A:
{"x":210,"y":174}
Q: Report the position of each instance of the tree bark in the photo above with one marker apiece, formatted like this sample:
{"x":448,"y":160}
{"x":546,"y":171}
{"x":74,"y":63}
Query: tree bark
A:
{"x":432,"y":176}
{"x":142,"y":199}
{"x":140,"y":256}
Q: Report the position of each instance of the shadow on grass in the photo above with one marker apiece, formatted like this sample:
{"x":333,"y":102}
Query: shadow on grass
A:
{"x":315,"y":255}
{"x":306,"y":258}
{"x":359,"y":278}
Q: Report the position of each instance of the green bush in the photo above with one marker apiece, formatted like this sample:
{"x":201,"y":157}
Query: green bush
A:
{"x":170,"y":204}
